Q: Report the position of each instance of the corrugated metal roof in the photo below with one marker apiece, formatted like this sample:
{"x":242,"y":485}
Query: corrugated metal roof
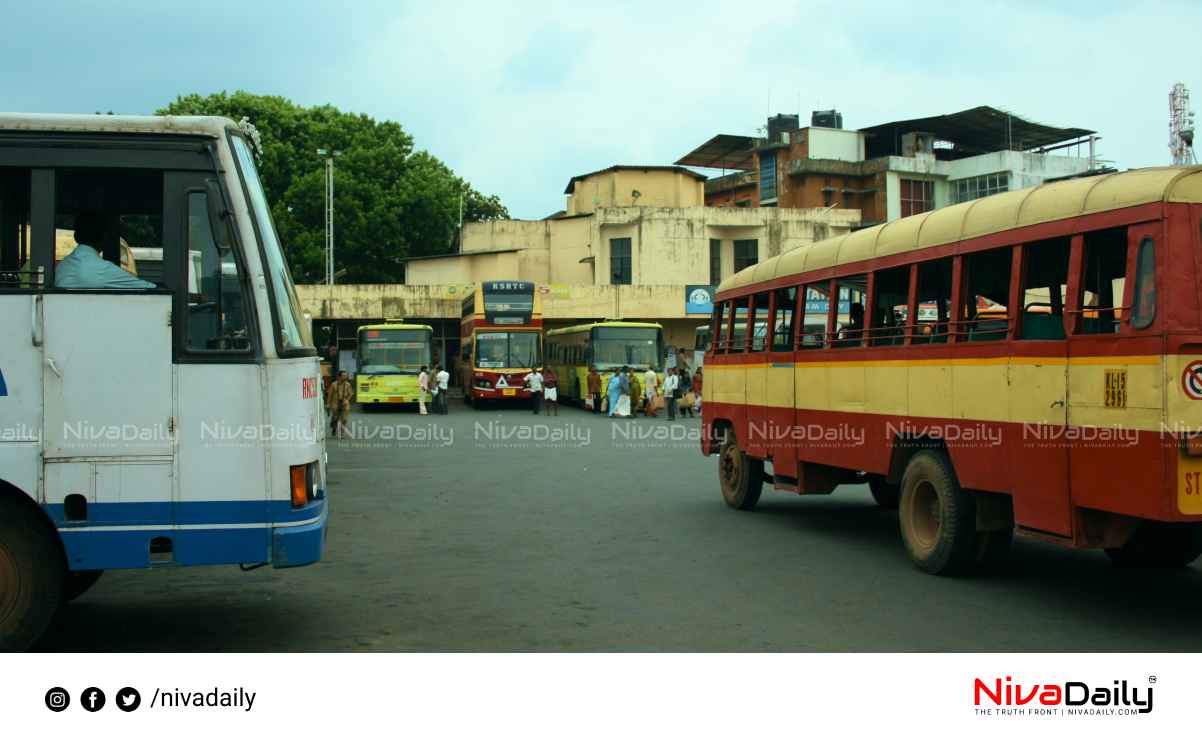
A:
{"x":729,"y":151}
{"x":974,"y":131}
{"x":1004,"y":211}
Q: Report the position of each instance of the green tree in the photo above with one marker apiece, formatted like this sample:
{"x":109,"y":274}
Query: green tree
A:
{"x":391,"y":202}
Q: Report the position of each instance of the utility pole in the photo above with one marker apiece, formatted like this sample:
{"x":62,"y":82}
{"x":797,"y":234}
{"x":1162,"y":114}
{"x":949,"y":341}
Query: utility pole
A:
{"x":329,"y":156}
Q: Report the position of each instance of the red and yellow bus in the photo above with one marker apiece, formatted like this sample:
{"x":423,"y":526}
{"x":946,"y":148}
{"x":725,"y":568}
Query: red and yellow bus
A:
{"x":501,"y":332}
{"x":1054,"y":390}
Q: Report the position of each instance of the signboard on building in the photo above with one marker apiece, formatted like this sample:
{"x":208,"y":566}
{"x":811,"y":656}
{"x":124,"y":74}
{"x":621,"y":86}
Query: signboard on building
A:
{"x":698,"y":299}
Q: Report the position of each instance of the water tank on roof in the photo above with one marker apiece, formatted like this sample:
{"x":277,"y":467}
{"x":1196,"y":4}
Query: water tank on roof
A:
{"x":780,"y":124}
{"x":831,"y":119}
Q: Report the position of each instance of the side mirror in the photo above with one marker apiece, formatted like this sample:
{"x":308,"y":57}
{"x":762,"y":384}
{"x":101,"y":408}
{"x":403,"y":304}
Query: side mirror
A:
{"x":218,"y":214}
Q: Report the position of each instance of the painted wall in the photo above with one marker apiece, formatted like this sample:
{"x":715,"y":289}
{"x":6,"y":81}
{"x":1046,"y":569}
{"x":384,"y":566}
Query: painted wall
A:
{"x":835,"y":144}
{"x":662,"y":188}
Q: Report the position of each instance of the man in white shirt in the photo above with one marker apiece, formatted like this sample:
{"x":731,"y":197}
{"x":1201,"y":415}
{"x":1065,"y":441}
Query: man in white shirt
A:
{"x":534,"y":383}
{"x":442,"y":379}
{"x":85,"y":268}
{"x":650,"y":383}
{"x":671,"y":385}
{"x":423,"y":388}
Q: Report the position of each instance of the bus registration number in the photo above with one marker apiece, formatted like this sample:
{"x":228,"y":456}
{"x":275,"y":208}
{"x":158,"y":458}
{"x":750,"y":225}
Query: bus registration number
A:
{"x":509,"y":391}
{"x":1116,"y":388}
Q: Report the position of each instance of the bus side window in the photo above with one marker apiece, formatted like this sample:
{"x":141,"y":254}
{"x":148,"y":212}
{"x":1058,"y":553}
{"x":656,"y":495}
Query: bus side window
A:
{"x":1103,"y":275}
{"x":1144,"y":310}
{"x":813,"y":317}
{"x":716,"y":334}
{"x":852,"y":295}
{"x":984,"y":315}
{"x":737,"y":326}
{"x":759,"y":323}
{"x":889,"y":307}
{"x":1043,"y":290}
{"x":934,"y":301}
{"x":782,"y":321}
{"x":217,"y":311}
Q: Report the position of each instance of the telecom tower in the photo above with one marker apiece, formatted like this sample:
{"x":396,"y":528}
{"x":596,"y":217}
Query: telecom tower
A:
{"x":1181,"y":126}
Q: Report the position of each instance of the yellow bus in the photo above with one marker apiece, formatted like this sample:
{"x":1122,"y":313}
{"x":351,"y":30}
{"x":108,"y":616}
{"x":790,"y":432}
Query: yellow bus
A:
{"x":608,"y":346}
{"x":389,"y":358}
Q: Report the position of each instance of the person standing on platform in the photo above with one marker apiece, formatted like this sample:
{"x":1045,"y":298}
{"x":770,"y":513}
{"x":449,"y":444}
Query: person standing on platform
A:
{"x":534,"y":382}
{"x":594,"y":389}
{"x":423,"y":389}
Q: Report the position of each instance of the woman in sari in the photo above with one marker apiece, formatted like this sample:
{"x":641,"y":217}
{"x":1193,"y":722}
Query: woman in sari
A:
{"x":613,"y":391}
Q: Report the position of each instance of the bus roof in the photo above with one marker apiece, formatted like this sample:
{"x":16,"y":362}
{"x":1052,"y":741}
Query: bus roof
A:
{"x":394,"y":326}
{"x":1044,"y":203}
{"x":605,"y":324}
{"x":210,"y":126}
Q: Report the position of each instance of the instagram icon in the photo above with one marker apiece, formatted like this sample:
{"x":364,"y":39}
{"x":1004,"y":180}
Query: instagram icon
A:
{"x":57,"y":699}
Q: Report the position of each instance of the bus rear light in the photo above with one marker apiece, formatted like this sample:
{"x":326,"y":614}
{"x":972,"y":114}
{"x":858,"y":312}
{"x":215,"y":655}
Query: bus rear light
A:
{"x":299,"y":477}
{"x":1191,"y":444}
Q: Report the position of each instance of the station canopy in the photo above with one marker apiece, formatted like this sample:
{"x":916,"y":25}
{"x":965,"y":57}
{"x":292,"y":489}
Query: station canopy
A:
{"x":728,"y":151}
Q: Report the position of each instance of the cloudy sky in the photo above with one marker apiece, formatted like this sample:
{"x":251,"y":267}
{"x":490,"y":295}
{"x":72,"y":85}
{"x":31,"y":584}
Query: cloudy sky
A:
{"x":518,"y":97}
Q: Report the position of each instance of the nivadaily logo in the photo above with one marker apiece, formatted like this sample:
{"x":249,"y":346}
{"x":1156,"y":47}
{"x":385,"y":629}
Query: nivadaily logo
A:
{"x":1061,"y":698}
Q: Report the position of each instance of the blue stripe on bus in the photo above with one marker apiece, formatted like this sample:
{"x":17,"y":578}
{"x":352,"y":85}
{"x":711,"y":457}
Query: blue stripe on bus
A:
{"x":187,"y":513}
{"x":282,"y":547}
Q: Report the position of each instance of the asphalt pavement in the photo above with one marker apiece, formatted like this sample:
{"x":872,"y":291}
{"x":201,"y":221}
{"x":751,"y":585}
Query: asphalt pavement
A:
{"x":495,"y":531}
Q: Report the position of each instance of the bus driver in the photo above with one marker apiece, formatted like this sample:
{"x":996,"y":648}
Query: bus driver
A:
{"x":85,"y":268}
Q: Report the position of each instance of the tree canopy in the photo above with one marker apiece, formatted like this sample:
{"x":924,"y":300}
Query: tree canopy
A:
{"x":391,"y":202}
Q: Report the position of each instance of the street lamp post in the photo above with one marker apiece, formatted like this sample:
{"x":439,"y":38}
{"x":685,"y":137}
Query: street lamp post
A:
{"x":329,"y":156}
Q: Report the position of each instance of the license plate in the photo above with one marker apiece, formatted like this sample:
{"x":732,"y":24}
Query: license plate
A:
{"x":395,"y":399}
{"x":509,"y":392}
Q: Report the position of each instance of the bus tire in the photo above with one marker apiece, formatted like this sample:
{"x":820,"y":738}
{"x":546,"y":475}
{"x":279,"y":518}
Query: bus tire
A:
{"x":886,"y":496}
{"x":938,"y":519}
{"x":78,"y":582}
{"x":741,"y":476}
{"x":31,"y":576}
{"x":1159,"y":545}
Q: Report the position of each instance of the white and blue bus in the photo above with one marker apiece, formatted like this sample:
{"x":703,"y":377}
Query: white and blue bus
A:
{"x":146,"y":424}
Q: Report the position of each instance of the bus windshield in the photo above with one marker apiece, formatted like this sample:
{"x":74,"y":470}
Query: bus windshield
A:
{"x":507,"y":350}
{"x":293,"y":331}
{"x":614,"y":348}
{"x":393,"y":351}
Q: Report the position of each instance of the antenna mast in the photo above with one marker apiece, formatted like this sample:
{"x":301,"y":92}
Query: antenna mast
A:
{"x":1181,"y":126}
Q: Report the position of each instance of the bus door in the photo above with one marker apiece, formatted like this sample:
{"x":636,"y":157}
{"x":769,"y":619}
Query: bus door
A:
{"x":1038,"y":389}
{"x":1115,"y":377}
{"x":223,"y":426}
{"x":779,"y":386}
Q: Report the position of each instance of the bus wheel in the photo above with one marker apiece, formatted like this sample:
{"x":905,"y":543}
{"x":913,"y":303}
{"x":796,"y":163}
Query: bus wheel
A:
{"x":78,"y":582}
{"x":885,"y":495}
{"x":742,"y":477}
{"x":31,"y":573}
{"x":938,"y":520}
{"x":1159,"y":545}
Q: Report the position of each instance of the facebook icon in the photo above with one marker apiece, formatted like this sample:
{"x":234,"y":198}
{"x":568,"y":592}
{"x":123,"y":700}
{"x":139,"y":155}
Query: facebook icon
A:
{"x":92,"y":699}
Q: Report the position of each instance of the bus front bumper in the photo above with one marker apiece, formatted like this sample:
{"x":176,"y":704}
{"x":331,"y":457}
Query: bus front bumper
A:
{"x":302,"y":544}
{"x":369,"y":399}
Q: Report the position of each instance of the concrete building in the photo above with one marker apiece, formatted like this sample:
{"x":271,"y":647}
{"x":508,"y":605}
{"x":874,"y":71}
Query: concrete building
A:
{"x":890,"y":170}
{"x":633,"y":242}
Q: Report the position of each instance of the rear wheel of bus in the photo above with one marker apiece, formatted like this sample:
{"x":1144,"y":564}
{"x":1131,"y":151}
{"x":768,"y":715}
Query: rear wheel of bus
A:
{"x":938,"y":519}
{"x":31,"y":575}
{"x":742,"y":477}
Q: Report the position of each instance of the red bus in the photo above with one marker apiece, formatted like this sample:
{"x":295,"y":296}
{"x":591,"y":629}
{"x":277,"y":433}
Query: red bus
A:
{"x":1054,"y":388}
{"x":501,"y":331}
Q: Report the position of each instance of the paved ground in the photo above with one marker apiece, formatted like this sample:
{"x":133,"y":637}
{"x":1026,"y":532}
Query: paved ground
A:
{"x":492,"y":545}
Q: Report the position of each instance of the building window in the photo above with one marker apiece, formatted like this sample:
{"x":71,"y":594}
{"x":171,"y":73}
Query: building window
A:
{"x":715,"y":262}
{"x":767,"y":177}
{"x":967,"y":189}
{"x":916,"y":196}
{"x":747,"y":253}
{"x":619,"y":260}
